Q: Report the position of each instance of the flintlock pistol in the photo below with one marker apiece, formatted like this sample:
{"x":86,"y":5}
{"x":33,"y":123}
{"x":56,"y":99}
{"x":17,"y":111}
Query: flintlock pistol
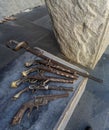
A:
{"x":41,"y":87}
{"x":33,"y":79}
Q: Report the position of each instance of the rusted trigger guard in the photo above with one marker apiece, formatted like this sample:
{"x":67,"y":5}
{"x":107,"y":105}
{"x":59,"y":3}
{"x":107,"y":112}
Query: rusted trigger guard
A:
{"x":14,"y":45}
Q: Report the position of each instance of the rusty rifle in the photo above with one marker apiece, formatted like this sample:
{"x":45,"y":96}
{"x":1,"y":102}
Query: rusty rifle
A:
{"x":14,"y":45}
{"x":49,"y":69}
{"x":47,"y":63}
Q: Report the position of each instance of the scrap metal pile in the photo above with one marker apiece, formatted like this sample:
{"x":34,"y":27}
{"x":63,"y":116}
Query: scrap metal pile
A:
{"x":36,"y":76}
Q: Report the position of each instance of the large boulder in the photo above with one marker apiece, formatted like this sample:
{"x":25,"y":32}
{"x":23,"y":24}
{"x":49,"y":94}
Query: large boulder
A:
{"x":81,"y":28}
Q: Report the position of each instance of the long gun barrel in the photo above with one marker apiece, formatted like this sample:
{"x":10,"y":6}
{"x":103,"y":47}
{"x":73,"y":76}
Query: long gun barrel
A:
{"x":47,"y":63}
{"x":47,"y":79}
{"x":36,"y":87}
{"x":14,"y":45}
{"x":49,"y":69}
{"x":38,"y":101}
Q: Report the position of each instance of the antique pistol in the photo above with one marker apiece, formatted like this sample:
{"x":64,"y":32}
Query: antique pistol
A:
{"x":36,"y":102}
{"x":33,"y":79}
{"x":47,"y":63}
{"x":49,"y":69}
{"x":41,"y":87}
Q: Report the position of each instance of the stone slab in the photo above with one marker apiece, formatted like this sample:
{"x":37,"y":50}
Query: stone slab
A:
{"x":81,"y":28}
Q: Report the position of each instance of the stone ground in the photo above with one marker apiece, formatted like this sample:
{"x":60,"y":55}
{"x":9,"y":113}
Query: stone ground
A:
{"x":35,"y":27}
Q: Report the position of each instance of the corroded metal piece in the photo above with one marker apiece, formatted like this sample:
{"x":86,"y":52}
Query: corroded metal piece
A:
{"x":36,"y":102}
{"x":33,"y":79}
{"x":41,"y":87}
{"x":51,"y":79}
{"x":16,"y":83}
{"x":49,"y":69}
{"x":14,"y":45}
{"x":49,"y":64}
{"x":58,"y":72}
{"x":17,"y":95}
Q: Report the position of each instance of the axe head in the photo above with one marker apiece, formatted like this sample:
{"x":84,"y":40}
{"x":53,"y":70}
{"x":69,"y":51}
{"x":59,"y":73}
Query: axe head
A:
{"x":15,"y":45}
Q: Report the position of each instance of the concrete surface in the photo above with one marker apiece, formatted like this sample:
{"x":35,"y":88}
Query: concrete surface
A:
{"x":93,"y":108}
{"x":11,"y":7}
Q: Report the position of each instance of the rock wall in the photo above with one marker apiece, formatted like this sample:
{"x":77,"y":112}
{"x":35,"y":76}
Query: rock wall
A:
{"x":9,"y":7}
{"x":81,"y":28}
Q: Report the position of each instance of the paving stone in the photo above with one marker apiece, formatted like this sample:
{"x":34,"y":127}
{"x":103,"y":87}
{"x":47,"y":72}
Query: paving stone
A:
{"x":90,"y":111}
{"x":82,"y":113}
{"x":107,"y":50}
{"x":28,"y":33}
{"x":35,"y":14}
{"x":106,"y":125}
{"x":97,"y":72}
{"x":44,"y":22}
{"x":27,"y":24}
{"x":106,"y":69}
{"x":48,"y":43}
{"x":93,"y":106}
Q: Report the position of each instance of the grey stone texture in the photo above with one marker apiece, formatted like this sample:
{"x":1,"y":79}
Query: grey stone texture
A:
{"x":10,"y":7}
{"x":81,"y":28}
